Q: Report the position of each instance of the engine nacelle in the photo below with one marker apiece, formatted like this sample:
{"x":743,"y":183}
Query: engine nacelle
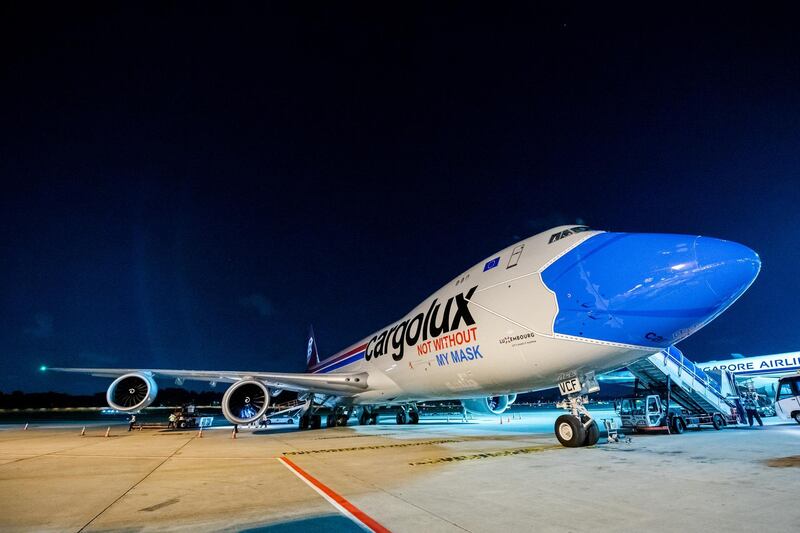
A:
{"x":245,"y":401}
{"x":512,"y":398}
{"x":492,"y":405}
{"x":132,"y":392}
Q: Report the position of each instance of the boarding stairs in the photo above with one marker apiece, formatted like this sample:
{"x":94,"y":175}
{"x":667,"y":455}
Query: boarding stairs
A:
{"x":285,"y":408}
{"x":669,"y":372}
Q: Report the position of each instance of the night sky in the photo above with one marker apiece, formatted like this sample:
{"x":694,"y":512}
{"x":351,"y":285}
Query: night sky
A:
{"x":188,"y":187}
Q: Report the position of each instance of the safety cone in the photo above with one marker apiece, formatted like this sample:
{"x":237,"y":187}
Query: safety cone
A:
{"x":108,"y":431}
{"x":233,"y":433}
{"x":83,"y":431}
{"x":26,"y":427}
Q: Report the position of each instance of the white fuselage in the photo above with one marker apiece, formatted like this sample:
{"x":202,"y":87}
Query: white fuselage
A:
{"x":489,"y":331}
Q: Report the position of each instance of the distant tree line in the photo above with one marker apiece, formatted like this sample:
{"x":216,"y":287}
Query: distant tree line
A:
{"x":38,"y":400}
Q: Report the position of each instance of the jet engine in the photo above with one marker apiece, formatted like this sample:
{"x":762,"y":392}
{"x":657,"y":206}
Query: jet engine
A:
{"x":245,"y":401}
{"x":491,"y":405}
{"x":132,"y":392}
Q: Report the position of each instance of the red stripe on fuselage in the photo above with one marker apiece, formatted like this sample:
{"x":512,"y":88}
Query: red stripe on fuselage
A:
{"x":337,"y":358}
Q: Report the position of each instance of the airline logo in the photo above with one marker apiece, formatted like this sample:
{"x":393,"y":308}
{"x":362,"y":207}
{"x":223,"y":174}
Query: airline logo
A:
{"x":310,"y":348}
{"x":785,"y":363}
{"x":491,"y":264}
{"x":424,"y":326}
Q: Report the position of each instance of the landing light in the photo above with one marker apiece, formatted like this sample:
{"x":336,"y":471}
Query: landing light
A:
{"x":42,"y":368}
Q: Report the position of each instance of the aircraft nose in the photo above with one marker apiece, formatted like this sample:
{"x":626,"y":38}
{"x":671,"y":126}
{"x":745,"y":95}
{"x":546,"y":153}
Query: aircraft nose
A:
{"x":647,"y":289}
{"x":728,"y":267}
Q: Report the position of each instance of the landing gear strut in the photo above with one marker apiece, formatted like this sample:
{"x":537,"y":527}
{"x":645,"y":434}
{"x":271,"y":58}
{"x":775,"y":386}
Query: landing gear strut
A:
{"x":407,"y":414}
{"x":577,"y":428}
{"x":367,"y":416}
{"x":402,"y":415}
{"x":338,"y":418}
{"x":309,"y":421}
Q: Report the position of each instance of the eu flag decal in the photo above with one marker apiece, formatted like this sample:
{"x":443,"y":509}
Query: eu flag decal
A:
{"x":491,"y":264}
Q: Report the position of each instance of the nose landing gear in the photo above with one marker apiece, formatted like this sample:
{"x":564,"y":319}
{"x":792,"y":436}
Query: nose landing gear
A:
{"x":577,"y":428}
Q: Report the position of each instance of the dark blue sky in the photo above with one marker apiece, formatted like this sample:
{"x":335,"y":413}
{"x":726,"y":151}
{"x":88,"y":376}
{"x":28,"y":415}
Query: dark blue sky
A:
{"x":191,"y":187}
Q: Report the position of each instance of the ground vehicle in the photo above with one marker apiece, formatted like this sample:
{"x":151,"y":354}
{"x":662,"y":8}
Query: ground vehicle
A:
{"x":188,"y":417}
{"x":787,"y":399}
{"x":279,"y":419}
{"x":650,"y":413}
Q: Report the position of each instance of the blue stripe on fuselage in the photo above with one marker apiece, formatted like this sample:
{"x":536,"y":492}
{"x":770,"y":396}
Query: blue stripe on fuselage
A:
{"x":344,"y":362}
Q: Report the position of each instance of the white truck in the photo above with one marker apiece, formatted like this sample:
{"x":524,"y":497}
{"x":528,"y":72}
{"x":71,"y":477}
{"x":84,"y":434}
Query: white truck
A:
{"x":650,"y":413}
{"x":787,"y":399}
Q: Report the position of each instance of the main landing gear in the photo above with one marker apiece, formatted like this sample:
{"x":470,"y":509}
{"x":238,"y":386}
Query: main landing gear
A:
{"x":367,"y":416}
{"x":577,"y":428}
{"x":309,"y":421}
{"x":338,"y":418}
{"x":407,"y":414}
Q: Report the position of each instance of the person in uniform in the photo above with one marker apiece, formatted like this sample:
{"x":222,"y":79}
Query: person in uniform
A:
{"x":751,"y":407}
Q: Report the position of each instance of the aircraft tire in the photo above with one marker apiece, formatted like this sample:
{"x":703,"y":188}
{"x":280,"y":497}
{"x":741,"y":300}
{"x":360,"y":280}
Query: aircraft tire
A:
{"x":303,"y":422}
{"x":569,"y":431}
{"x":363,"y":417}
{"x":413,"y":417}
{"x":678,"y":425}
{"x":341,"y":420}
{"x":330,"y":421}
{"x":717,"y":422}
{"x":592,"y":434}
{"x":373,"y":419}
{"x":401,"y":417}
{"x":316,"y":422}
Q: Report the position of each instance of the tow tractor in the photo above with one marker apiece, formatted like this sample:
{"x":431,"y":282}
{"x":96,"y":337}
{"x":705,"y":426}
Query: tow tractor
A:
{"x":189,"y":417}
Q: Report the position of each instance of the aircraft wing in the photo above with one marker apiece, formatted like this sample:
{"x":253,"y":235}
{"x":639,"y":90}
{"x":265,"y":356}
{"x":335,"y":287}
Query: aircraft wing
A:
{"x":343,"y":384}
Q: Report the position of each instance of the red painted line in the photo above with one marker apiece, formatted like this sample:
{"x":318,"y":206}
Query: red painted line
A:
{"x":365,"y":519}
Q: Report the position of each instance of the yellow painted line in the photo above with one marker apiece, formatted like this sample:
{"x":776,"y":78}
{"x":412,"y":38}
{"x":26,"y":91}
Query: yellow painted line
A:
{"x":376,"y":447}
{"x":485,"y":455}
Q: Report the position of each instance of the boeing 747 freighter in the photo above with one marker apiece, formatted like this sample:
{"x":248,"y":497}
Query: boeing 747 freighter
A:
{"x":556,"y":309}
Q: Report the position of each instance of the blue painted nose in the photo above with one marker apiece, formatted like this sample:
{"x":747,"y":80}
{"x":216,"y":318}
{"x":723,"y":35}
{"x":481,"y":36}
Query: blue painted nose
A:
{"x":647,"y":289}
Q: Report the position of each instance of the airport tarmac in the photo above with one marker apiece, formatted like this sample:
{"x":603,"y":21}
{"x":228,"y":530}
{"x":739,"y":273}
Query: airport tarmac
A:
{"x":435,"y":476}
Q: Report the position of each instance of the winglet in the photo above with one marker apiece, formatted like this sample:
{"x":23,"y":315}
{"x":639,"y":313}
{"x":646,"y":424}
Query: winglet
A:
{"x":312,"y":356}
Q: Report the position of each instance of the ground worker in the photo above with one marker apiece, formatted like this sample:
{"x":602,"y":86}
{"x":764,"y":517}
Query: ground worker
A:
{"x":751,"y":407}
